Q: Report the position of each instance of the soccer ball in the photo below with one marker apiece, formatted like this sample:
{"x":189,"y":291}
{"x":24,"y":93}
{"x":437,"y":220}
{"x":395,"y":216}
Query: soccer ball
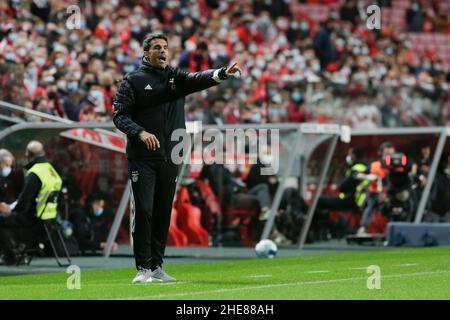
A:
{"x":266,"y":249}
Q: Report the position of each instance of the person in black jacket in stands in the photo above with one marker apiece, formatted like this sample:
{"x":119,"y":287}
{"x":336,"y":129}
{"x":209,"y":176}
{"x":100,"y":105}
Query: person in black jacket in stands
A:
{"x":89,"y":224}
{"x":148,"y":107}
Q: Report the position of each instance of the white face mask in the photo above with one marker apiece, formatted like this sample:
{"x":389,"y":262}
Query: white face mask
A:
{"x":266,"y":159}
{"x":348,"y":159}
{"x":6,"y":171}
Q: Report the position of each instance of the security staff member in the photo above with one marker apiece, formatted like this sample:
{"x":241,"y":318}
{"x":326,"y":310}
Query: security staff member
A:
{"x":148,"y":107}
{"x":37,"y":201}
{"x":352,"y":189}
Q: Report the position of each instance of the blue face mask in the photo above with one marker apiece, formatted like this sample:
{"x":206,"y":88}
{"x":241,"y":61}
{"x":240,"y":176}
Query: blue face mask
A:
{"x":447,"y":171}
{"x":72,"y":86}
{"x":296,"y":96}
{"x":99,"y":212}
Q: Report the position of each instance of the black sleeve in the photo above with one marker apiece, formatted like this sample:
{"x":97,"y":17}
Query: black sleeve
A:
{"x":123,"y":108}
{"x":22,"y":212}
{"x":197,"y":81}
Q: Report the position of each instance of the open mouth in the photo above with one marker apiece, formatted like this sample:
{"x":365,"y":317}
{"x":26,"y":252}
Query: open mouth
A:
{"x":162,"y":59}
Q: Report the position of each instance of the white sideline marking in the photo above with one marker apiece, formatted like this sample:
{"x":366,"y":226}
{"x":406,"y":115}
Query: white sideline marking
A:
{"x":408,"y":265}
{"x":318,"y":271}
{"x":260,"y":276}
{"x":359,"y":268}
{"x":269,"y":286}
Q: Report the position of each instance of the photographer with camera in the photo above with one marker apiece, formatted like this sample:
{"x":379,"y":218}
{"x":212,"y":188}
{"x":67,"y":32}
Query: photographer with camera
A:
{"x":376,"y":189}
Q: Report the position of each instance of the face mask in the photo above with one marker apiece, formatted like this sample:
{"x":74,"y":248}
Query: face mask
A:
{"x":128,"y":68}
{"x":120,"y":58}
{"x":13,"y":37}
{"x":256,"y":73}
{"x":99,"y":212}
{"x":106,"y":23}
{"x":6,"y":171}
{"x":256,"y":118}
{"x":296,"y":96}
{"x":72,"y":86}
{"x":98,"y":50}
{"x":32,"y":72}
{"x":60,"y":62}
{"x":225,"y":22}
{"x":73,"y":37}
{"x":316,"y":67}
{"x":22,"y":52}
{"x":62,"y":85}
{"x":40,"y":61}
{"x":348,"y":159}
{"x":10,"y":56}
{"x":97,"y":95}
{"x":48,"y":79}
{"x":261,"y":63}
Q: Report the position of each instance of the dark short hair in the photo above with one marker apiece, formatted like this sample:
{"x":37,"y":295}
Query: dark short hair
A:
{"x":358,"y":152}
{"x":202,"y":45}
{"x":150,"y":37}
{"x":386,"y":145}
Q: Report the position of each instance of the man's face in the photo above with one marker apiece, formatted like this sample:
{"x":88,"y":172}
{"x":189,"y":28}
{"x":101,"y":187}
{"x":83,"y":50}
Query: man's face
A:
{"x":158,"y":54}
{"x":7,"y":162}
{"x":426,"y":151}
{"x":388,"y":151}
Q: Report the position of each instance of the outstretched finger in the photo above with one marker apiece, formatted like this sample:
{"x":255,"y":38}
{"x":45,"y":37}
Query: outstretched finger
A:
{"x":233,"y":65}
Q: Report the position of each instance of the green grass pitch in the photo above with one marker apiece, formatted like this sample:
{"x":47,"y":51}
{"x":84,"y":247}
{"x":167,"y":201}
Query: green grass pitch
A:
{"x":422,"y":273}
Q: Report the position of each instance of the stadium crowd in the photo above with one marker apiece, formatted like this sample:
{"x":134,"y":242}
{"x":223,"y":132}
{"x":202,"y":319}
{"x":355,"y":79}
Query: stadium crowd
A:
{"x":295,"y":69}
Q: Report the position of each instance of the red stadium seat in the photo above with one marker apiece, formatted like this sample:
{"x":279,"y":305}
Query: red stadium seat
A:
{"x":176,"y":236}
{"x":190,"y":220}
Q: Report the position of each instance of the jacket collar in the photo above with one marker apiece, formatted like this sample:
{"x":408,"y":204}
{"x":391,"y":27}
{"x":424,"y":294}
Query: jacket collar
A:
{"x":146,"y":66}
{"x":34,"y":161}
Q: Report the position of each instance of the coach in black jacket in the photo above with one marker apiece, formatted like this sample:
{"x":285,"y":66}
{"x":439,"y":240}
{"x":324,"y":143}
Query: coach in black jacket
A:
{"x":149,"y":106}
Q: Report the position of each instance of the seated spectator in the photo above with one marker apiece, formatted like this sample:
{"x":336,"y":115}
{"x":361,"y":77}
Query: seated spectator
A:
{"x":90,"y":225}
{"x":11,"y":179}
{"x":20,"y":222}
{"x":440,"y":209}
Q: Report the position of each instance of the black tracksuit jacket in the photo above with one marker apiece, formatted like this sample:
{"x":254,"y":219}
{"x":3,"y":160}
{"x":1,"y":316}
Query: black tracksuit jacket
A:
{"x":152,"y":99}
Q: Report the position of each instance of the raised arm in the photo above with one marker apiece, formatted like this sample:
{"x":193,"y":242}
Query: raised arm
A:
{"x":198,"y":81}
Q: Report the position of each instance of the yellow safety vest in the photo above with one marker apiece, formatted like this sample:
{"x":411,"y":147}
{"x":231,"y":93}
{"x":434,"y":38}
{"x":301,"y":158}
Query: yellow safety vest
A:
{"x":360,"y":192}
{"x":46,"y":201}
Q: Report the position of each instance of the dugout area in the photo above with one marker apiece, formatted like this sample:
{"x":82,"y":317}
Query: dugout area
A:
{"x":98,"y":157}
